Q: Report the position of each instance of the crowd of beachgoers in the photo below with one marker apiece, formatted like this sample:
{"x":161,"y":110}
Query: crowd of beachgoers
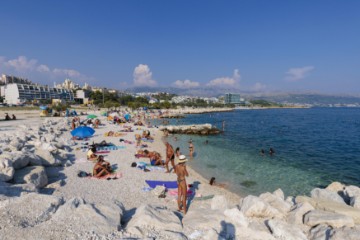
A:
{"x":113,"y":175}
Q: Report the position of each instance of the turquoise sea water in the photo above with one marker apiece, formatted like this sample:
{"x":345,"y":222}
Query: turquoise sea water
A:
{"x":313,"y":147}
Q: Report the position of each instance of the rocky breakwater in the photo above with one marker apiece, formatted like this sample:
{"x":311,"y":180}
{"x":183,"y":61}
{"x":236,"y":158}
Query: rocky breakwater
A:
{"x":329,"y":213}
{"x":33,"y":156}
{"x":200,"y":129}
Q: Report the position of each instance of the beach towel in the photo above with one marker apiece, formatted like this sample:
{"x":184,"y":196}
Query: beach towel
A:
{"x":147,"y":140}
{"x":156,"y":168}
{"x":109,"y":148}
{"x":102,"y":152}
{"x":140,"y":155}
{"x":81,"y":160}
{"x":167,"y":184}
{"x":109,"y":176}
{"x":175,"y":192}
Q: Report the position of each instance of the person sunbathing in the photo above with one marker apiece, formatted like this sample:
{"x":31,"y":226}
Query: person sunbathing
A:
{"x":91,"y":156}
{"x":101,"y":168}
{"x":155,"y":158}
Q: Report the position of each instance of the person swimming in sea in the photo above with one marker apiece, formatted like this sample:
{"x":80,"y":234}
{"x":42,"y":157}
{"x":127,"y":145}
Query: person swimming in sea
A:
{"x":262,"y":152}
{"x":271,"y":151}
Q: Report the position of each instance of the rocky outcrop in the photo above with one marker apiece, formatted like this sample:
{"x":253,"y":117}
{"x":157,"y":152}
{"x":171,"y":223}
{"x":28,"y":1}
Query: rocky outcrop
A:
{"x":253,"y":206}
{"x":6,"y":170}
{"x":283,"y":230}
{"x":334,"y":220}
{"x":149,"y":216}
{"x":326,"y":195}
{"x":296,"y":215}
{"x":201,"y":129}
{"x":35,"y":175}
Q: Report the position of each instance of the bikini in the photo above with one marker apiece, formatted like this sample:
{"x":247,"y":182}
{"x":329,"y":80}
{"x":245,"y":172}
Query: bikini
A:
{"x":180,"y":180}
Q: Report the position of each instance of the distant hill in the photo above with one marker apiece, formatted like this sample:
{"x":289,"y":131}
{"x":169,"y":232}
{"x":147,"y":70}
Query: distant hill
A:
{"x":313,"y":99}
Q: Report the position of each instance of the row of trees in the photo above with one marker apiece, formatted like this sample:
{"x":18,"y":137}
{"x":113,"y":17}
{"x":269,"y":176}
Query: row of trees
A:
{"x":111,"y":100}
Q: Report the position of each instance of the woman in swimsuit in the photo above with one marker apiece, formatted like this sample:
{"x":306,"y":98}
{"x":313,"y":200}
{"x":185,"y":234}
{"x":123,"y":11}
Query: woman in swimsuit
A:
{"x":191,"y":149}
{"x":181,"y":173}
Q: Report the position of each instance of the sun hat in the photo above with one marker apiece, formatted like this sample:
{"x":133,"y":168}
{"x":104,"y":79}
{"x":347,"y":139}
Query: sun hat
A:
{"x":182,"y":159}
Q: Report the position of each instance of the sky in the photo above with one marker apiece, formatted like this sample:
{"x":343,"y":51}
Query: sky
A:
{"x":253,"y":45}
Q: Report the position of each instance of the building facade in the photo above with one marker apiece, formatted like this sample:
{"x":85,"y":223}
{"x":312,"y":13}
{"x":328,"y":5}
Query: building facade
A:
{"x":16,"y":93}
{"x":7,"y":79}
{"x":231,"y":98}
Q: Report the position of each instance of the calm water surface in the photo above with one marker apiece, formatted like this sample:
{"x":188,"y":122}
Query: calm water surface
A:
{"x":313,"y":147}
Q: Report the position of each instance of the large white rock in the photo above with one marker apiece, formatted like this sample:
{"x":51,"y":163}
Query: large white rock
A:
{"x":81,"y":216}
{"x":253,"y":206}
{"x":352,"y":191}
{"x":34,"y":174}
{"x":335,"y":187}
{"x":276,"y":202}
{"x":296,"y":215}
{"x":29,"y":210}
{"x":236,"y":217}
{"x":6,"y":170}
{"x":355,"y":202}
{"x":157,"y":217}
{"x":279,"y":193}
{"x":333,"y":207}
{"x":47,"y":159}
{"x":326,"y":195}
{"x":17,"y":143}
{"x":320,"y":232}
{"x":346,"y":233}
{"x":284,"y":230}
{"x":335,"y":220}
{"x":219,"y":202}
{"x":203,"y":218}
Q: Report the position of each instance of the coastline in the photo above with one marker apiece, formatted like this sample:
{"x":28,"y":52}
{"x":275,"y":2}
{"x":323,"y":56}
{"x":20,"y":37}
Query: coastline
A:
{"x":123,"y":209}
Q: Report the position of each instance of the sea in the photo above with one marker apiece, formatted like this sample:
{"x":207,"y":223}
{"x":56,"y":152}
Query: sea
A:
{"x":313,"y":147}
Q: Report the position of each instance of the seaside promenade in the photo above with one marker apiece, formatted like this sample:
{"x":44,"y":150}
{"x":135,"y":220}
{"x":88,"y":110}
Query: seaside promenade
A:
{"x":42,"y":196}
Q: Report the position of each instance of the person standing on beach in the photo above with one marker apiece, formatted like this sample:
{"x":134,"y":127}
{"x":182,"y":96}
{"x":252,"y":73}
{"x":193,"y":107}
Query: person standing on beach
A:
{"x":181,"y":173}
{"x":170,"y":156}
{"x":191,"y":148}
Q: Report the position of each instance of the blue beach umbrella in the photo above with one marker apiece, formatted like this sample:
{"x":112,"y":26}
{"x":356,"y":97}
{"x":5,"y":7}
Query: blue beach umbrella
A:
{"x":82,"y":132}
{"x":42,"y":107}
{"x":127,"y":117}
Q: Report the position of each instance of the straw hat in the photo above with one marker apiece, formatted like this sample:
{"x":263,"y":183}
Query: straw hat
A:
{"x":182,"y":159}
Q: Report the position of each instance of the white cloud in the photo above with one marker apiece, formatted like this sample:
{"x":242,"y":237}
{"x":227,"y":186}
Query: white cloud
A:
{"x":43,"y":68}
{"x":229,"y":81}
{"x":34,"y":70}
{"x":186,"y":84}
{"x":143,"y":76}
{"x":67,"y":72}
{"x":296,"y":74}
{"x":21,"y":64}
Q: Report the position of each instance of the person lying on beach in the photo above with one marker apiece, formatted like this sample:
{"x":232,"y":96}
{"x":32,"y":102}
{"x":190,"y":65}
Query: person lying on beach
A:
{"x":155,"y":158}
{"x":181,"y":173}
{"x":101,"y":168}
{"x":91,"y":156}
{"x":213,"y":183}
{"x":146,"y":134}
{"x":170,"y":156}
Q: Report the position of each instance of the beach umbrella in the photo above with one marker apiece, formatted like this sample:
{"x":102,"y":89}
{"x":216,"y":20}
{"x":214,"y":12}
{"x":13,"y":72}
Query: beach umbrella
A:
{"x":127,"y":117}
{"x":42,"y":107}
{"x":92,"y":116}
{"x":82,"y":132}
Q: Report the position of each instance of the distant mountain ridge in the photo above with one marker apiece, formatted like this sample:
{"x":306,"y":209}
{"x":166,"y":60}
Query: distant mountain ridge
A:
{"x":315,"y":99}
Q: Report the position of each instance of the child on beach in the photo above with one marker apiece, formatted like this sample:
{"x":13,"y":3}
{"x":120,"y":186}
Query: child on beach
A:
{"x":181,"y":173}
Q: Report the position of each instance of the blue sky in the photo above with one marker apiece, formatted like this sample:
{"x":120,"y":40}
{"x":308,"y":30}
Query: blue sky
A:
{"x":260,"y":46}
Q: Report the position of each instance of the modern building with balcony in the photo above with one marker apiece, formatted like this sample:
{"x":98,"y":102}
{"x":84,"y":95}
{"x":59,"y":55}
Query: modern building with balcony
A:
{"x":16,"y":93}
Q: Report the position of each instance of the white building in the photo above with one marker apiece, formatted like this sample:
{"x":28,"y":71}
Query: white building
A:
{"x":68,"y":84}
{"x":16,"y":93}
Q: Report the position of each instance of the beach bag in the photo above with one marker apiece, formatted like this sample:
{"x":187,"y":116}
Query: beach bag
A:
{"x":159,"y":191}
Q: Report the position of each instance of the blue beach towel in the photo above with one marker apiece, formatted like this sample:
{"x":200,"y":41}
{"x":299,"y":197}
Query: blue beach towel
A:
{"x":167,"y":184}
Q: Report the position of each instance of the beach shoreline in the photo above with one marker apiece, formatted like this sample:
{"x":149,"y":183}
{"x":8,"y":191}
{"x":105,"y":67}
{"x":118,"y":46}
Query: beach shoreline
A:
{"x":125,"y":207}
